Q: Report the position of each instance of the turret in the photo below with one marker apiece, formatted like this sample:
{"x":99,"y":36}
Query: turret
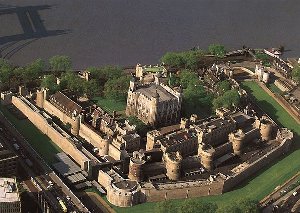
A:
{"x":75,"y":125}
{"x":266,"y":128}
{"x":40,"y":98}
{"x":136,"y":166}
{"x":132,"y":84}
{"x":173,"y":165}
{"x":237,"y":139}
{"x":206,"y":153}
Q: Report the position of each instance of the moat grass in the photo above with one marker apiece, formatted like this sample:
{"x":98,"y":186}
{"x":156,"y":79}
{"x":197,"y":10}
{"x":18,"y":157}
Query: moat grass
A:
{"x":110,"y":105}
{"x":40,"y":142}
{"x":265,"y":181}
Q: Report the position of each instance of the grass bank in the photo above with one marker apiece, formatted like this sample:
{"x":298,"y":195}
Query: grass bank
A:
{"x":265,"y":181}
{"x":40,"y":142}
{"x":110,"y":105}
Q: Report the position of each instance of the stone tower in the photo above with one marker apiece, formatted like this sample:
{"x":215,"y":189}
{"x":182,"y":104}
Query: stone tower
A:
{"x":136,"y":166}
{"x":237,"y":139}
{"x":75,"y":125}
{"x":173,"y":165}
{"x":206,"y":152}
{"x":266,"y":128}
{"x":154,"y":105}
{"x":40,"y":97}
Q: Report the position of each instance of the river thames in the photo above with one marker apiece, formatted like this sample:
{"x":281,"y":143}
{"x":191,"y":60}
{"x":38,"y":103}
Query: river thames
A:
{"x":125,"y":32}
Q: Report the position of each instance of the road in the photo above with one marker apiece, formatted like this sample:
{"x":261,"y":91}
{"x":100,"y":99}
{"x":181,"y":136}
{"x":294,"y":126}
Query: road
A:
{"x":42,"y":174}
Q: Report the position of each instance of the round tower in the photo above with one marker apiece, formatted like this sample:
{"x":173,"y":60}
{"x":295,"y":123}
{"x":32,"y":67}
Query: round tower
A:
{"x":75,"y":124}
{"x":103,"y":150}
{"x":266,"y":128}
{"x":40,"y":98}
{"x":237,"y":139}
{"x":207,"y":156}
{"x":173,"y":165}
{"x":136,"y":167}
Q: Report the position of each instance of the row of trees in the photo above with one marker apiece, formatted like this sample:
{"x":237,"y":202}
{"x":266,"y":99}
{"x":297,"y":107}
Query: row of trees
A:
{"x":296,"y":74}
{"x":191,"y":59}
{"x":194,"y":206}
{"x":108,"y":81}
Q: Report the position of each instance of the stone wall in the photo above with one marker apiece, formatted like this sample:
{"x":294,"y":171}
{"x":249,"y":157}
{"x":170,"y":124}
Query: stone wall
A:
{"x":257,"y":165}
{"x":61,"y":139}
{"x":93,"y":138}
{"x":51,"y":109}
{"x":183,"y":190}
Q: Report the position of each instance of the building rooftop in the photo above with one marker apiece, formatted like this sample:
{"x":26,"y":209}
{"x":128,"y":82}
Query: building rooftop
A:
{"x":65,"y":103}
{"x":177,"y":137}
{"x":151,"y":89}
{"x":8,"y":190}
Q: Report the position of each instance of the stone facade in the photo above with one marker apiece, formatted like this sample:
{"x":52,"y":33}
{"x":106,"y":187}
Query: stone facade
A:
{"x":154,"y":103}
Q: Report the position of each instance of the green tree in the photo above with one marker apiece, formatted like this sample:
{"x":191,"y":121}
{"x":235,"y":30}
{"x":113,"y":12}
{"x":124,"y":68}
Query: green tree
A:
{"x":173,"y":59}
{"x":33,"y":71}
{"x":117,"y":88}
{"x":6,"y":72}
{"x":60,"y":63}
{"x":49,"y":81}
{"x":165,"y":207}
{"x":72,"y":82}
{"x":228,"y":100}
{"x":173,"y":80}
{"x":188,"y":78}
{"x":191,"y":59}
{"x":196,"y":100}
{"x":223,"y":86}
{"x":91,"y":88}
{"x":264,"y":58}
{"x":193,"y":206}
{"x":142,"y":129}
{"x":217,"y":50}
{"x":296,"y":74}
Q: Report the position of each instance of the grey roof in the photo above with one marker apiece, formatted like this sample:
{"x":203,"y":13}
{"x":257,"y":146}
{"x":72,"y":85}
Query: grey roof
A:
{"x":66,"y":166}
{"x":150,"y":91}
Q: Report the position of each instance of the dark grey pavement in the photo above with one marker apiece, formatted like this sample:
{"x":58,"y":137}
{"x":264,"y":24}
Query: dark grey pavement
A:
{"x":124,"y":32}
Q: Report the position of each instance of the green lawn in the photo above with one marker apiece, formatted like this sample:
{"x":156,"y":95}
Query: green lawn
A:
{"x":266,"y":180}
{"x":110,"y":105}
{"x":274,"y":89}
{"x":40,"y":142}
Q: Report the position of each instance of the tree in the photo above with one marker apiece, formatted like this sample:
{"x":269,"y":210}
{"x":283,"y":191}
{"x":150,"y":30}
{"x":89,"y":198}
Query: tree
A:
{"x":193,"y":206}
{"x":91,"y":88}
{"x":49,"y":81}
{"x":173,"y":80}
{"x":6,"y":71}
{"x":217,"y":50}
{"x":33,"y":71}
{"x":60,"y":63}
{"x":72,"y":82}
{"x":188,"y":78}
{"x":117,"y":88}
{"x":264,"y":58}
{"x":173,"y":59}
{"x":196,"y":100}
{"x":165,"y":207}
{"x":229,"y":99}
{"x":191,"y":59}
{"x":141,"y":128}
{"x":296,"y":74}
{"x":223,"y":86}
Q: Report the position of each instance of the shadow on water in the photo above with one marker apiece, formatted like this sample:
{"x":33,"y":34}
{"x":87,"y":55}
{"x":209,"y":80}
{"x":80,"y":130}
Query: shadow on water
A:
{"x":32,"y":25}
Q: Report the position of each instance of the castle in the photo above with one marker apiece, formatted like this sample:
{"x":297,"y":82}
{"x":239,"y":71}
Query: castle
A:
{"x":154,"y":103}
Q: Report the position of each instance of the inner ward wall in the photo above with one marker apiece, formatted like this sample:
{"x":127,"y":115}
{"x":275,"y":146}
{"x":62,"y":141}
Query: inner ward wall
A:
{"x":62,"y":142}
